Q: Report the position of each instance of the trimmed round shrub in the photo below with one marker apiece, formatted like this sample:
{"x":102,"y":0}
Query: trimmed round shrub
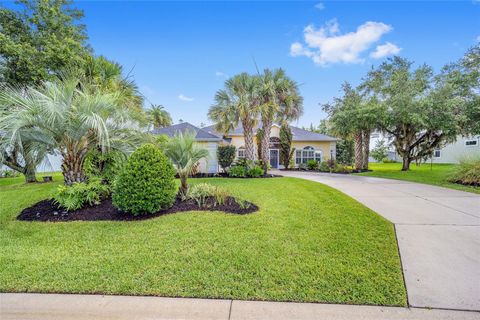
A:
{"x":237,"y":172}
{"x":146,"y":184}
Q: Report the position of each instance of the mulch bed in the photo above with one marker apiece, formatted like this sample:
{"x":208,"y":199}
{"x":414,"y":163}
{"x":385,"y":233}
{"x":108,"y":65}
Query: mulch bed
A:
{"x":47,"y":210}
{"x":225,"y":175}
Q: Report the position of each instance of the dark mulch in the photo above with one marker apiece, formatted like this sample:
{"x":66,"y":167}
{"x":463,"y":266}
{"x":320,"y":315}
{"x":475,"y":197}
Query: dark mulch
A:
{"x":225,"y":175}
{"x":46,"y":210}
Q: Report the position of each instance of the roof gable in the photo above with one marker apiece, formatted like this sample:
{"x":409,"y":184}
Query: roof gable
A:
{"x":201,"y":135}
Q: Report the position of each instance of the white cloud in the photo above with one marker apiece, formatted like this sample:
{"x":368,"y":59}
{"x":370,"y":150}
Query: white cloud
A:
{"x":326,"y":45}
{"x":185,"y":98}
{"x":320,"y":6}
{"x":384,"y":50}
{"x":220,"y":74}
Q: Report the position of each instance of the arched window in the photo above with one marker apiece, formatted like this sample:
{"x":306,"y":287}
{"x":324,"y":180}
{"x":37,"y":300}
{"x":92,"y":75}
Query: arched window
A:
{"x":306,"y":154}
{"x":241,"y":152}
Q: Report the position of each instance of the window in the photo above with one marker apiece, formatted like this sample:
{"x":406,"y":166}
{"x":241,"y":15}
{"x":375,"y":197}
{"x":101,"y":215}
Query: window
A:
{"x":241,"y":152}
{"x":437,"y":153}
{"x":307,"y":153}
{"x":471,"y":143}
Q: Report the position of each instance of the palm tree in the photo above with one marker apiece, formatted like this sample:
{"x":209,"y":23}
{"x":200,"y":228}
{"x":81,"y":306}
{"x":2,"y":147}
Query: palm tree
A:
{"x":159,"y":117}
{"x":281,"y":101}
{"x":72,"y":118}
{"x":237,"y":103}
{"x":184,"y":153}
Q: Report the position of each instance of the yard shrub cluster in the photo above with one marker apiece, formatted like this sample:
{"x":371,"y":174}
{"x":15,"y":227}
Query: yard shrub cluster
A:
{"x":244,"y":168}
{"x":312,"y":165}
{"x":147,"y":184}
{"x":467,"y":172}
{"x":203,"y":192}
{"x":226,"y":156}
{"x":80,"y":194}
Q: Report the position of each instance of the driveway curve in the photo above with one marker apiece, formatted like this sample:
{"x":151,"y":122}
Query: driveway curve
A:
{"x":438,"y":232}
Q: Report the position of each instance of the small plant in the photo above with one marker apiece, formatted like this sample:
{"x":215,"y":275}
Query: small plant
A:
{"x":226,"y":155}
{"x":237,"y":171}
{"x":243,"y":204}
{"x":380,"y":151}
{"x":7,"y":173}
{"x":467,"y":172}
{"x":147,"y":183}
{"x":312,"y":165}
{"x":388,"y":160}
{"x":255,"y":172}
{"x":341,"y":168}
{"x":203,"y":192}
{"x":302,"y":166}
{"x":78,"y":195}
{"x":324,"y":167}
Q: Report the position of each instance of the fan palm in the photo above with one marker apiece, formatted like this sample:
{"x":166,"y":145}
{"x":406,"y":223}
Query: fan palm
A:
{"x":279,"y":100}
{"x":72,"y":118}
{"x":237,"y":103}
{"x":184,"y":153}
{"x":159,"y":117}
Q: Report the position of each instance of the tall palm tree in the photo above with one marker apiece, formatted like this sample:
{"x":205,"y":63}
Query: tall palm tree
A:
{"x":279,"y":100}
{"x":72,"y":118}
{"x":184,"y":153}
{"x":237,"y":103}
{"x":159,"y":117}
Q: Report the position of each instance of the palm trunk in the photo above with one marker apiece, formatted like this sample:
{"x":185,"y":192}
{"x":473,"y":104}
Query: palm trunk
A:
{"x":265,"y":155}
{"x":29,"y":174}
{"x":248,"y":136}
{"x":72,"y":167}
{"x":357,"y":139}
{"x":183,"y":185}
{"x":366,"y":148}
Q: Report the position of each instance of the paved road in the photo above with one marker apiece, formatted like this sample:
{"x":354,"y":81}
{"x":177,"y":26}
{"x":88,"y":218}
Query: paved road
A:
{"x":25,"y":306}
{"x":438,"y":232}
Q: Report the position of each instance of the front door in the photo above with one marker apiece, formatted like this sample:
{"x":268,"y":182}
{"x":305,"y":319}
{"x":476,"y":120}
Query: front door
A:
{"x":274,"y":158}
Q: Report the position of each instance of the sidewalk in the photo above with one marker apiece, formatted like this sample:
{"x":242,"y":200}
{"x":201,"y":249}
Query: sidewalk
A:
{"x":24,"y":306}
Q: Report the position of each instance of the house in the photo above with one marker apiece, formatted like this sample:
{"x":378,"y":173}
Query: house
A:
{"x":308,"y":145}
{"x":450,"y":153}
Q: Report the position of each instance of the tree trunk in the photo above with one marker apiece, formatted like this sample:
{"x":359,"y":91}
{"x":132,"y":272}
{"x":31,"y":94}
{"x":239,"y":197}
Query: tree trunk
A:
{"x":265,"y":155}
{"x":29,"y":174}
{"x":406,"y":163}
{"x":72,"y":168}
{"x":248,"y":136}
{"x":357,"y":139}
{"x":366,"y":148}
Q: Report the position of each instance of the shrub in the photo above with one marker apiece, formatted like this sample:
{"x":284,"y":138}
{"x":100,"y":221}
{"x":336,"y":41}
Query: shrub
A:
{"x":7,"y":173}
{"x":312,"y":165}
{"x":341,"y":168}
{"x":467,"y":172}
{"x":380,"y":151}
{"x":226,"y":155}
{"x":146,"y":184}
{"x":202,"y":192}
{"x":237,"y":171}
{"x":388,"y":160}
{"x":345,"y":152}
{"x":106,"y":165}
{"x":324,"y":167}
{"x":255,"y":172}
{"x":78,"y":194}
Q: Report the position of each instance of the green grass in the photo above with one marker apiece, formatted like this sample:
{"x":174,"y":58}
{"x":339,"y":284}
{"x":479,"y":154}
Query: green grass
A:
{"x":437,"y":174}
{"x":308,"y":242}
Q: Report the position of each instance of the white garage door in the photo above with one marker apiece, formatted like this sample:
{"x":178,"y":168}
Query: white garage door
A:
{"x":212,"y":163}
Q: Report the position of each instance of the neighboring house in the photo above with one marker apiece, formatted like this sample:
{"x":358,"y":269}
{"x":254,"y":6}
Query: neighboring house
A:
{"x":308,"y":145}
{"x":450,"y":153}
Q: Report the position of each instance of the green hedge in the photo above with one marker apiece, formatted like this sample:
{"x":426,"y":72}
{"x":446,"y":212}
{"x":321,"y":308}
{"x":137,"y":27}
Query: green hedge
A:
{"x":147,"y":183}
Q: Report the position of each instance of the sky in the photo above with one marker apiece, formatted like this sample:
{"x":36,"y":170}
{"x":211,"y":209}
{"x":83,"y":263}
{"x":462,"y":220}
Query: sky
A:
{"x":180,"y":53}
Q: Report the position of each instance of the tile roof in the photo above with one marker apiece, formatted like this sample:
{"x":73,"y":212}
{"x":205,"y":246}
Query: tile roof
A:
{"x":201,"y":134}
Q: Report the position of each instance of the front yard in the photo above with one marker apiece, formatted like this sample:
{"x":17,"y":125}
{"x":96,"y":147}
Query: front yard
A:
{"x":437,"y":174}
{"x":308,"y":243}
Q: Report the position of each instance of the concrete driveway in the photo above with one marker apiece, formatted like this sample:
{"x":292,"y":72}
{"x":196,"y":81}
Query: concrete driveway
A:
{"x":438,"y":232}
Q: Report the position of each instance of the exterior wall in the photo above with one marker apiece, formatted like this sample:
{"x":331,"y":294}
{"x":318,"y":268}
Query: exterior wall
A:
{"x":453,"y":152}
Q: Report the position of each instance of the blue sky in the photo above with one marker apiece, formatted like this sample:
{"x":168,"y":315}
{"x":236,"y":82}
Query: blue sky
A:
{"x":181,"y":52}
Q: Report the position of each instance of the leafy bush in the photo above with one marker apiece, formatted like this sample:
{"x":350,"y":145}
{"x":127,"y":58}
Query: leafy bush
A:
{"x":7,"y":173}
{"x":226,"y":155}
{"x":106,"y":165}
{"x":380,"y":151}
{"x":78,"y":195}
{"x":341,"y":168}
{"x":324,"y":167}
{"x":388,"y":160}
{"x":237,"y":171}
{"x":344,"y":152}
{"x":467,"y":172}
{"x":255,"y":172}
{"x":202,"y":192}
{"x":312,"y":165}
{"x":147,"y":184}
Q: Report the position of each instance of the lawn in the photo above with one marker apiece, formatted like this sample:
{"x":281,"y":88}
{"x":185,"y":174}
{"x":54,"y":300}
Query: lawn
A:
{"x":308,"y":242}
{"x":437,"y":174}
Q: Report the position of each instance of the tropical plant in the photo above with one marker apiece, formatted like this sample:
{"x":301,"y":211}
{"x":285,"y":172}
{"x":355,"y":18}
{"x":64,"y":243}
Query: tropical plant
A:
{"x":279,"y":100}
{"x":184,"y":153}
{"x":226,"y":156}
{"x":104,"y":165}
{"x":78,"y":195}
{"x":203,"y":193}
{"x":286,"y":150}
{"x":467,"y":172}
{"x":255,"y":172}
{"x":72,"y":118}
{"x":380,"y":151}
{"x":146,"y":184}
{"x":237,"y":104}
{"x":237,"y":171}
{"x":159,"y":117}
